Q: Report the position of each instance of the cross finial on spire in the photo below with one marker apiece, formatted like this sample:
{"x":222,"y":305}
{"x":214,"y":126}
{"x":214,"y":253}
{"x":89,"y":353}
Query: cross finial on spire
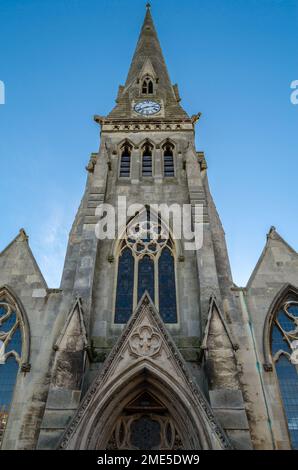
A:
{"x":148,"y":5}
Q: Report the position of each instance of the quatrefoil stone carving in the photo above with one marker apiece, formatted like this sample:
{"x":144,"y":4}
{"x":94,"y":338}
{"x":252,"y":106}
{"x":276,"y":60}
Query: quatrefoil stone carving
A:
{"x":145,"y":341}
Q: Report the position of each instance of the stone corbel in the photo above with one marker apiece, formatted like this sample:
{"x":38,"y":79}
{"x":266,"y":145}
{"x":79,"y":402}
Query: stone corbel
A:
{"x":25,"y":367}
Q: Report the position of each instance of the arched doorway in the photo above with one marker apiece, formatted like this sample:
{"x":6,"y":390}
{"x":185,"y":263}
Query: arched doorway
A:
{"x":145,"y":424}
{"x":144,"y":396}
{"x":142,"y":402}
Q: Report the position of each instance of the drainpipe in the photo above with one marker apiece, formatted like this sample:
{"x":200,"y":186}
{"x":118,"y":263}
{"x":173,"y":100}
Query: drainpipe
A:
{"x":258,"y":364}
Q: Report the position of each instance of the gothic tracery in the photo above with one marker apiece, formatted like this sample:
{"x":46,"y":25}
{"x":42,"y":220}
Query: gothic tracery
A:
{"x":146,"y":263}
{"x":284,"y":348}
{"x":10,"y":357}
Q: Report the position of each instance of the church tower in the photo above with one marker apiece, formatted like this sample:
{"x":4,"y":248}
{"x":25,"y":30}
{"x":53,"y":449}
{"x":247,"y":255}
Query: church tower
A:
{"x":148,"y":343}
{"x":147,"y":155}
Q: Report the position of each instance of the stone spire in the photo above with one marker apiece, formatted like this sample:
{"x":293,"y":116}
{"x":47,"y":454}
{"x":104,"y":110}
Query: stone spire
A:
{"x":148,"y":47}
{"x":148,"y":60}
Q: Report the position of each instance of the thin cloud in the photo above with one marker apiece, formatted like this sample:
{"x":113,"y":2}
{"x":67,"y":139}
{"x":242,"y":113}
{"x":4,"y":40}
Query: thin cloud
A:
{"x":51,"y":245}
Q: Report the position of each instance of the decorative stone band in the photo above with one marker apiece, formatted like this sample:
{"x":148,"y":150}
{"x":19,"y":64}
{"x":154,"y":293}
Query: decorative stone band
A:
{"x":144,"y":125}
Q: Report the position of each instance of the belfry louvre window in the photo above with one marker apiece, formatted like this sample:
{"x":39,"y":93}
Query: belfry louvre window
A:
{"x":146,"y":263}
{"x":147,"y":86}
{"x":168,"y":160}
{"x":147,"y":161}
{"x":10,"y":357}
{"x":125,"y":161}
{"x":284,"y":350}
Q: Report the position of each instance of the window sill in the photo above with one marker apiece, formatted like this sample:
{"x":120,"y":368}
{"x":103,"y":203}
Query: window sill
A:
{"x":124,"y":179}
{"x":170,"y":179}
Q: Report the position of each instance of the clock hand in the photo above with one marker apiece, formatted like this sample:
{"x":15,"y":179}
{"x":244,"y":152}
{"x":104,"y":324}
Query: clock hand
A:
{"x":150,"y":107}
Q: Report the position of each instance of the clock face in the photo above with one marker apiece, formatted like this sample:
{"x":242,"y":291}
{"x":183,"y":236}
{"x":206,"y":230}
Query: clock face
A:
{"x":147,"y":107}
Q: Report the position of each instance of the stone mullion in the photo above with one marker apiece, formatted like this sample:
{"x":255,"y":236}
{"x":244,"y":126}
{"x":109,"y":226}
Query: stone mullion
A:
{"x":135,"y":165}
{"x":157,"y":165}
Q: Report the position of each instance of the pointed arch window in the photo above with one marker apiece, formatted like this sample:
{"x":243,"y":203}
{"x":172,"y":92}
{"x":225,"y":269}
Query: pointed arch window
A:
{"x":147,"y":86}
{"x":125,"y":284}
{"x":166,"y":284}
{"x":146,"y":263}
{"x":284,"y":350}
{"x":11,"y":342}
{"x":168,"y":160}
{"x":147,"y":160}
{"x":125,"y":160}
{"x":146,"y":277}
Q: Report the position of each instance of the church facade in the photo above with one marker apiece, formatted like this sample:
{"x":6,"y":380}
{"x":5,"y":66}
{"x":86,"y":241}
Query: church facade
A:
{"x":148,"y":345}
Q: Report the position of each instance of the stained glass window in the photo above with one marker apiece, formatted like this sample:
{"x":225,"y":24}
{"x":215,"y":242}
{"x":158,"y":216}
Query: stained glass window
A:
{"x":284,"y":347}
{"x":125,"y":286}
{"x":10,"y":354}
{"x":146,"y":277}
{"x":148,"y":246}
{"x":167,"y":288}
{"x":145,"y":433}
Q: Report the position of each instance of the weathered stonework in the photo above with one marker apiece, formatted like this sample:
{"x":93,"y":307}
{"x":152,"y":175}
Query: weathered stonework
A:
{"x":211,"y":373}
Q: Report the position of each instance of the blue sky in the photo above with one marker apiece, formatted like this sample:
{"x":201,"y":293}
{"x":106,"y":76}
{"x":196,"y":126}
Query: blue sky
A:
{"x":62,"y":61}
